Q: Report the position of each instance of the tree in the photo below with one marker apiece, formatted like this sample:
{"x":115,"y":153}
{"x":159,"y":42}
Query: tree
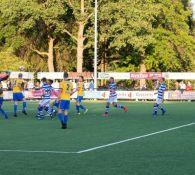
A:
{"x":38,"y":22}
{"x":81,"y":12}
{"x":8,"y":61}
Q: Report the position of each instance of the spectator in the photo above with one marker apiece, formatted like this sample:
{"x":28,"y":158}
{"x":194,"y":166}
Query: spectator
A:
{"x":144,"y":87}
{"x":189,"y":86}
{"x":91,"y":85}
{"x":182,"y":86}
{"x":176,"y":85}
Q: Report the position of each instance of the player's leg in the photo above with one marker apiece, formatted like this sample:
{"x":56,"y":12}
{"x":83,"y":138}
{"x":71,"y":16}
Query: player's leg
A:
{"x":162,"y":108}
{"x":116,"y":105}
{"x":62,"y":107}
{"x":56,"y":105}
{"x":107,"y":108}
{"x":1,"y":110}
{"x":48,"y":109}
{"x":40,"y":115}
{"x":24,"y":104}
{"x":65,"y":117}
{"x":60,"y":117}
{"x":15,"y":99}
{"x":80,"y":106}
{"x":155,"y":107}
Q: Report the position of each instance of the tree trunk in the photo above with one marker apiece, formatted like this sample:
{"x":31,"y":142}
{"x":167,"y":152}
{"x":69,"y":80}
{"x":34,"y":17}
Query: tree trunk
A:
{"x":142,"y":70}
{"x":50,"y":55}
{"x":80,"y":47}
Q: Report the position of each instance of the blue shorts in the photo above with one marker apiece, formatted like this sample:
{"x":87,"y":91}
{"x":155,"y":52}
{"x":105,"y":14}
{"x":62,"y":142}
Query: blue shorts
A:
{"x":18,"y":96}
{"x":65,"y":104}
{"x":1,"y":101}
{"x":79,"y":98}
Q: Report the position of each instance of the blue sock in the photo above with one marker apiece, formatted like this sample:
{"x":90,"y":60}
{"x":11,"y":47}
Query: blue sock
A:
{"x":162,"y":108}
{"x":56,"y":104}
{"x":77,"y":108}
{"x":155,"y":109}
{"x":107,"y":109}
{"x":82,"y":107}
{"x":15,"y":109}
{"x":48,"y":110}
{"x":39,"y":110}
{"x":24,"y":106}
{"x":65,"y":119}
{"x":3,"y":112}
{"x":119,"y":106}
{"x":60,"y":117}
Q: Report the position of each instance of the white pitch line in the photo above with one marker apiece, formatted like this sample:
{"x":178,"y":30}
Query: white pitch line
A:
{"x":102,"y":146}
{"x":31,"y":151}
{"x":134,"y":138}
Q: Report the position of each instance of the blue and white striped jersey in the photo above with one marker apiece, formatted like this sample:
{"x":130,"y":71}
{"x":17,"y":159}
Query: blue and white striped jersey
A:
{"x":47,"y":90}
{"x":161,"y":90}
{"x":112,"y":88}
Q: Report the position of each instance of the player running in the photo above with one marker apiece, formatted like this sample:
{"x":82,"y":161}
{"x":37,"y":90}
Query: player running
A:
{"x":18,"y":95}
{"x":112,"y":98}
{"x":47,"y":90}
{"x":160,"y":97}
{"x":80,"y":94}
{"x":66,"y":90}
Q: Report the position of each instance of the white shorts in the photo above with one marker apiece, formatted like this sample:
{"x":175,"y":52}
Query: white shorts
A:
{"x":45,"y":102}
{"x":159,"y":101}
{"x":112,"y":100}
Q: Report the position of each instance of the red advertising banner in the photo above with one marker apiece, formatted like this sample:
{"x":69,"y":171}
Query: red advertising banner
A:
{"x":147,"y":75}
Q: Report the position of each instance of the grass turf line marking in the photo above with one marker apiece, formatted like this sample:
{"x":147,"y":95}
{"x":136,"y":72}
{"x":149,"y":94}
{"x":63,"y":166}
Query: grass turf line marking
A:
{"x":134,"y":138}
{"x":31,"y":151}
{"x":102,"y":146}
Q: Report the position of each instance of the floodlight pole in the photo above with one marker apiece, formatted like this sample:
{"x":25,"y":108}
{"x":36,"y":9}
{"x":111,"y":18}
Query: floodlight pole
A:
{"x":95,"y":45}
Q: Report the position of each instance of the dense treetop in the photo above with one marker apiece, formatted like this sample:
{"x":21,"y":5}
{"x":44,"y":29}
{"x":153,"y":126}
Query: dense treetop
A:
{"x":151,"y":35}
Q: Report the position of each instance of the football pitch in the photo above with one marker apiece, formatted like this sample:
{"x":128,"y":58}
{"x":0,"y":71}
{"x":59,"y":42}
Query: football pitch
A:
{"x":131,"y":143}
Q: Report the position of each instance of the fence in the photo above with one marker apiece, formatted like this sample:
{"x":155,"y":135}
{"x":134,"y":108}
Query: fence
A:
{"x":123,"y":95}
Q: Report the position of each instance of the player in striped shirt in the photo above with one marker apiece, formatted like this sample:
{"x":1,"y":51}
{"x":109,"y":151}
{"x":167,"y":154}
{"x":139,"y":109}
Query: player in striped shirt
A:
{"x":1,"y":100}
{"x":112,"y":98}
{"x":160,"y":97}
{"x":47,"y":90}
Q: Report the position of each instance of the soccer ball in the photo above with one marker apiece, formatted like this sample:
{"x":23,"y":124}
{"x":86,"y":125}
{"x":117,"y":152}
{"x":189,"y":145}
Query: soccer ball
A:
{"x":21,"y":68}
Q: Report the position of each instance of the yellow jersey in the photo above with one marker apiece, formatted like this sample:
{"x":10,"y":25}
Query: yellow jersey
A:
{"x":1,"y":90}
{"x":80,"y":89}
{"x":66,"y":90}
{"x":18,"y":86}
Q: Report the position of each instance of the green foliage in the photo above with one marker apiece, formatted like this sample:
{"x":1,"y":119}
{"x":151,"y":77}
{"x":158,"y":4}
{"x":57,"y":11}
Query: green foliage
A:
{"x":157,"y":33}
{"x":9,"y":61}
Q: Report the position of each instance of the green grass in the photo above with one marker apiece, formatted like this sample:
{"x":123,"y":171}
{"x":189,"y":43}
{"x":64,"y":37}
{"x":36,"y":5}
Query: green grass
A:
{"x":169,"y":153}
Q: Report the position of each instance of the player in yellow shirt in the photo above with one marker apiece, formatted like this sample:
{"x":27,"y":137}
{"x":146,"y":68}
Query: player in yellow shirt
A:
{"x":1,"y":100}
{"x":18,"y":95}
{"x":66,"y":90}
{"x":80,"y":94}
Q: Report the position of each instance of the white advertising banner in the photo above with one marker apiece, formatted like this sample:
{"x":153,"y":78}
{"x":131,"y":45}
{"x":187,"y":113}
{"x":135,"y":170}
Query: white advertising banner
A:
{"x":116,"y":75}
{"x":26,"y":75}
{"x":179,"y":75}
{"x":123,"y":95}
{"x":50,"y":75}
